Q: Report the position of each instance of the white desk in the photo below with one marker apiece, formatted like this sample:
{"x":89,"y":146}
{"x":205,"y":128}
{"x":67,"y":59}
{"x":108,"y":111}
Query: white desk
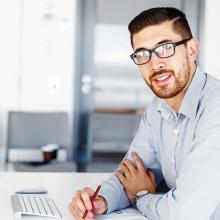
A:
{"x":61,"y":187}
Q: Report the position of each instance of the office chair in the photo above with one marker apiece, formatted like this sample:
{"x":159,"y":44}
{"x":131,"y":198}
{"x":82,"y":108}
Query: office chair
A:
{"x":112,"y":132}
{"x":32,"y":130}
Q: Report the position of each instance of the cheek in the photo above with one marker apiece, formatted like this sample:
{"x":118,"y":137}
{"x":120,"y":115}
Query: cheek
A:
{"x":181,"y":59}
{"x":176,"y":64}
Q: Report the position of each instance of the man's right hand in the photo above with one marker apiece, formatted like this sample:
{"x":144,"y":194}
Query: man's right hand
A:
{"x":81,"y":202}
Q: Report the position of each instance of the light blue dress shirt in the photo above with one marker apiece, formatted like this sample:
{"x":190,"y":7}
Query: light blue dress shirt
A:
{"x":186,"y":148}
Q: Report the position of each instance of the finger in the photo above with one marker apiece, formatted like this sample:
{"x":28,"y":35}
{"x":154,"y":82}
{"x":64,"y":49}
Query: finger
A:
{"x":78,"y":192}
{"x":86,"y":189}
{"x":138,"y":161}
{"x":126,"y":171}
{"x":121,"y":177}
{"x":86,"y":200}
{"x":89,"y":191}
{"x":98,"y":207}
{"x":79,"y":213}
{"x":90,"y":216}
{"x":129,"y":166}
{"x":77,"y":202}
{"x":120,"y":170}
{"x":86,"y":195}
{"x":152,"y":177}
{"x":71,"y":209}
{"x":101,"y":205}
{"x":75,"y":212}
{"x":73,"y":204}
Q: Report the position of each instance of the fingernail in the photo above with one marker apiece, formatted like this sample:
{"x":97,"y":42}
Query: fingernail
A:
{"x":90,"y":214}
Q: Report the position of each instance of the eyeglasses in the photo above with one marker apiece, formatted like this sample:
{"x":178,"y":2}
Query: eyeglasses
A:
{"x":163,"y":51}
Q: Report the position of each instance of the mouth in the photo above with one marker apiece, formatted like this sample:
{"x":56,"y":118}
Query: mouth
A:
{"x":162,"y":79}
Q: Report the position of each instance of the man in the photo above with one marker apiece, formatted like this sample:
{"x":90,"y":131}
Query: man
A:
{"x":178,"y":134}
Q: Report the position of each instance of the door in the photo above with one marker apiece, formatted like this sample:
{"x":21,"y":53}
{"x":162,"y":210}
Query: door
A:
{"x":109,"y":82}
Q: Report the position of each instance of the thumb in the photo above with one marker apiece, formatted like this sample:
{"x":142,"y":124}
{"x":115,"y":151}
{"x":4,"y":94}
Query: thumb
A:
{"x":100,"y":205}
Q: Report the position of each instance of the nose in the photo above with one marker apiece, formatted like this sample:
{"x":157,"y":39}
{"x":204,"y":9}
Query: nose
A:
{"x":156,"y":62}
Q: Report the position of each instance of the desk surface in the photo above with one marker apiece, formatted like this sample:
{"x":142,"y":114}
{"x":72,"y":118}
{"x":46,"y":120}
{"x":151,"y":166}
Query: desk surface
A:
{"x":61,"y":187}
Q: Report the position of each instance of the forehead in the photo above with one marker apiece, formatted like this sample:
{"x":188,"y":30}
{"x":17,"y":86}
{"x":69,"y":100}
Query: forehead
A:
{"x":150,"y":36}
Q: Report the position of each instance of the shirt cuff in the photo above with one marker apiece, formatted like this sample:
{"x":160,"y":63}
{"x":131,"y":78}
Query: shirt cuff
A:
{"x":114,"y":194}
{"x":148,"y":203}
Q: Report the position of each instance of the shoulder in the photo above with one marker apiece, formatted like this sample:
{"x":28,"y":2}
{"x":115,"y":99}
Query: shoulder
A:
{"x":209,"y":106}
{"x":211,"y":89}
{"x":210,"y":95}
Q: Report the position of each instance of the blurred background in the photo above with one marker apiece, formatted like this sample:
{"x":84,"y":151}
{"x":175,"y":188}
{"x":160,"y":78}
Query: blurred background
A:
{"x":70,"y":96}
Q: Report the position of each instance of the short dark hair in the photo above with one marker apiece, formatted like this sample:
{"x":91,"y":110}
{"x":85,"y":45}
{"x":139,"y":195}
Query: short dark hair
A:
{"x":155,"y":16}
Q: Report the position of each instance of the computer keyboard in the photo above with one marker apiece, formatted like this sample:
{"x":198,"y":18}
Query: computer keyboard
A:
{"x":29,"y":204}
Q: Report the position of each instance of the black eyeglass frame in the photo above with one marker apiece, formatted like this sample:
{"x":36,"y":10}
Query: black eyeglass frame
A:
{"x":153,"y":50}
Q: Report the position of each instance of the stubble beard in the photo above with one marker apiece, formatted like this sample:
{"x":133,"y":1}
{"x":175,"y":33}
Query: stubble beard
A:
{"x":166,"y":92}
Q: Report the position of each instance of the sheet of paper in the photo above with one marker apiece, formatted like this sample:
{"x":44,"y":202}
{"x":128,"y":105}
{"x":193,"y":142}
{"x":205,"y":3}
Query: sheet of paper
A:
{"x":128,"y":214}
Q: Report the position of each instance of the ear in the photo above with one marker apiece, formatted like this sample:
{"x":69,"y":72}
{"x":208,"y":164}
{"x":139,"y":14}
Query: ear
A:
{"x":193,"y":49}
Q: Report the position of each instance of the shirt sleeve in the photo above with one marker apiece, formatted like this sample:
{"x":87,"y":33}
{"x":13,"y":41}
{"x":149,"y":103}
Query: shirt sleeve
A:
{"x":197,"y":191}
{"x":112,"y":190}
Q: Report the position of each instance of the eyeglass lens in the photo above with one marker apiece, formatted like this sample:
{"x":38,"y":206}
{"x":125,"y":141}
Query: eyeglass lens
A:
{"x":162,"y":51}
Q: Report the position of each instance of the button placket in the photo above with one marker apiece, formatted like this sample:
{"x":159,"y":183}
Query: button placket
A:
{"x":176,"y":130}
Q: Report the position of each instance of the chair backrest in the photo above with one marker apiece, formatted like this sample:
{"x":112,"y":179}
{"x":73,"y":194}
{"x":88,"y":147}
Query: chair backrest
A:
{"x":36,"y":129}
{"x":112,"y":130}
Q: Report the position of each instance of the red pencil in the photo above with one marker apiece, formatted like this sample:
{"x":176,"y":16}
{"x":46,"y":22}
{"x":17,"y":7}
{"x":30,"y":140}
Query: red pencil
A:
{"x":92,"y":199}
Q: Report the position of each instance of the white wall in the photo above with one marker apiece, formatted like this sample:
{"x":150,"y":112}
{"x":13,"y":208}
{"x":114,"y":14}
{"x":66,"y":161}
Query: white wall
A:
{"x":36,"y":56}
{"x":210,"y":44}
{"x":47,"y":54}
{"x":9,"y":59}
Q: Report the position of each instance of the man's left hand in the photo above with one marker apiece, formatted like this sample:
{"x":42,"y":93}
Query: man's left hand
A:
{"x":135,"y":178}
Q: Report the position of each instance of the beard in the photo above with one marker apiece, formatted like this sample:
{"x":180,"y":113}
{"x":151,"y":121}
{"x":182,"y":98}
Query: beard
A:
{"x":181,"y":79}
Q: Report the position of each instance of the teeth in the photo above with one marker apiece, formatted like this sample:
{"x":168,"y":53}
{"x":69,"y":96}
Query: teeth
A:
{"x":162,"y":78}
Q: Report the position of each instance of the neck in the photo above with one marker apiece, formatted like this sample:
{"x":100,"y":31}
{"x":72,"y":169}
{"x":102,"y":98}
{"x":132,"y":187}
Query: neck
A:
{"x":176,"y":101}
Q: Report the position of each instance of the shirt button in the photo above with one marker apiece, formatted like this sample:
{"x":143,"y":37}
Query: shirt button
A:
{"x":176,"y":131}
{"x":173,"y":160}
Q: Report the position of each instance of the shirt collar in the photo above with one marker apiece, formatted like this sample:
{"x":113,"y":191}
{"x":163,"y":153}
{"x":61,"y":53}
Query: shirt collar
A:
{"x":164,"y":109}
{"x":190,"y":101}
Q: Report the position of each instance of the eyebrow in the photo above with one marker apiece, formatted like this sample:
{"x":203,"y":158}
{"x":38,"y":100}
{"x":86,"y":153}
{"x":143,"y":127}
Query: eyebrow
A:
{"x":157,"y":44}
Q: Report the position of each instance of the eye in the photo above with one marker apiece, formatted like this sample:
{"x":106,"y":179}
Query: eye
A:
{"x":143,"y":53}
{"x":168,"y":46}
{"x":141,"y":57}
